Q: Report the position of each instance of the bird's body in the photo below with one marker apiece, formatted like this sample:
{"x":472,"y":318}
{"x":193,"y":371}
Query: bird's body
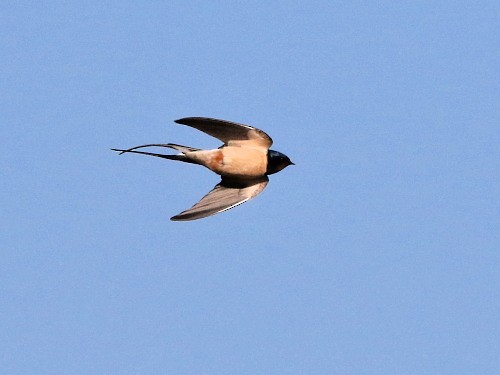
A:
{"x":231,"y":161}
{"x":243,"y":162}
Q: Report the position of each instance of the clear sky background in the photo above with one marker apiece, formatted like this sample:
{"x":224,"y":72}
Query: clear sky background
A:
{"x":378,"y":253}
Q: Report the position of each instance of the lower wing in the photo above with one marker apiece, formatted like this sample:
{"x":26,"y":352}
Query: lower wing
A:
{"x":227,"y":194}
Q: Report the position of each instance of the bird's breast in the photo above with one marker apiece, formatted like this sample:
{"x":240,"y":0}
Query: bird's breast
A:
{"x":233,"y":161}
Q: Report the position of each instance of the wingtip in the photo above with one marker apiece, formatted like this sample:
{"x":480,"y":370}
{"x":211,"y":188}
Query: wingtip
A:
{"x":183,"y":120}
{"x":189,"y":121}
{"x":179,"y":218}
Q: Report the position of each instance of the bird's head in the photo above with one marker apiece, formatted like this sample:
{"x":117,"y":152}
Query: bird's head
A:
{"x":276,"y":161}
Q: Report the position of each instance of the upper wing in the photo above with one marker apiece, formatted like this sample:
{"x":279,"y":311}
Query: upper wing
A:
{"x":224,"y":196}
{"x":228,"y":132}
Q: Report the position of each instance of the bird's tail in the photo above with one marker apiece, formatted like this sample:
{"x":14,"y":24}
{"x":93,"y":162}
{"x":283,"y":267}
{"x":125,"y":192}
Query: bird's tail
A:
{"x":179,"y":157}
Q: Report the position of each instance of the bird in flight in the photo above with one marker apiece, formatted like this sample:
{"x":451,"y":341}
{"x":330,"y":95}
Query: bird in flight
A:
{"x":244,"y":161}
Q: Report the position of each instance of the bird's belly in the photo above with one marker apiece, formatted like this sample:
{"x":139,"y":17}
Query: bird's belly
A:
{"x":233,"y":161}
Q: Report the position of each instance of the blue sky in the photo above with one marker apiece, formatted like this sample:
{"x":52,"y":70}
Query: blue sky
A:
{"x":377,"y":253}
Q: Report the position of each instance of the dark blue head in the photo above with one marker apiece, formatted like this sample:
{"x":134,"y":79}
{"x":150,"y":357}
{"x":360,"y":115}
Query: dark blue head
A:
{"x":276,"y":161}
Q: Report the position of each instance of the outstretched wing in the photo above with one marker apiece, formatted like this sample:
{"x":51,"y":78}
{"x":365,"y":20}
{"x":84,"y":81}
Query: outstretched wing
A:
{"x":224,"y":196}
{"x":231,"y":133}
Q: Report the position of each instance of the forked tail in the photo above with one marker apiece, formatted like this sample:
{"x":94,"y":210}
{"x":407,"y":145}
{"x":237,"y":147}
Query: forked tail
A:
{"x":179,"y":157}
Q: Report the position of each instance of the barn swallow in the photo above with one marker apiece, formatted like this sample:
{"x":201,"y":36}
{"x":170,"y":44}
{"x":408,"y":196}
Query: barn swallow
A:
{"x":244,"y":161}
